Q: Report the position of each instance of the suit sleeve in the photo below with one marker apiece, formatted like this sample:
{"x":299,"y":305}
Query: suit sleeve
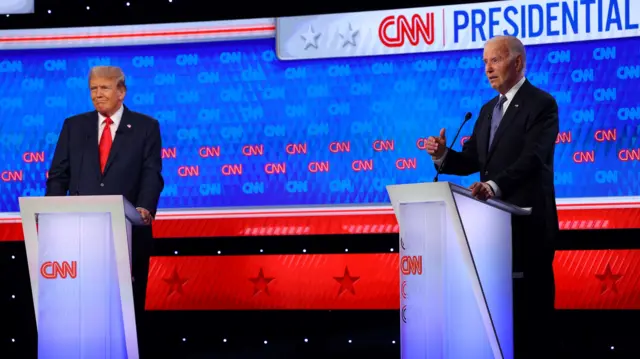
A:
{"x":539,"y":142}
{"x":151,"y":181}
{"x":60,"y":170}
{"x":465,"y":162}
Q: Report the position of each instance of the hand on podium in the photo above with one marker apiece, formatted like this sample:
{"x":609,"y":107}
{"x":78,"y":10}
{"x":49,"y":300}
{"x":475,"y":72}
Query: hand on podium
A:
{"x":146,"y":216}
{"x":481,"y":191}
{"x":436,"y":146}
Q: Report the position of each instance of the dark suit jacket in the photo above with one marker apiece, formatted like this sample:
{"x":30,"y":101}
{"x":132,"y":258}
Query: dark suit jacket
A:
{"x":520,"y":160}
{"x":133,"y":168}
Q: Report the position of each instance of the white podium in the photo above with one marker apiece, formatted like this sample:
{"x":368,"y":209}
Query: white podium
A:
{"x":79,"y":255}
{"x":455,"y":272}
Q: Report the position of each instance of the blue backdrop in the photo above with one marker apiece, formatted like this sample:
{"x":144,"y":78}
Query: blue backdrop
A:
{"x":242,"y":128}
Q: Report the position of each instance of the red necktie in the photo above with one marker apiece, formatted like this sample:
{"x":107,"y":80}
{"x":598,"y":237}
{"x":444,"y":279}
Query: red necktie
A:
{"x":105,"y":143}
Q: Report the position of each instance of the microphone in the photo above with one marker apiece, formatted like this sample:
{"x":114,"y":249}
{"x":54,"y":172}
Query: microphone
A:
{"x":467,"y":117}
{"x":77,"y":192}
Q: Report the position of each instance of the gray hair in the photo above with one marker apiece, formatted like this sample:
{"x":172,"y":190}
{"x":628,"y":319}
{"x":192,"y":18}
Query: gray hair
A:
{"x":109,"y":72}
{"x":514,"y":46}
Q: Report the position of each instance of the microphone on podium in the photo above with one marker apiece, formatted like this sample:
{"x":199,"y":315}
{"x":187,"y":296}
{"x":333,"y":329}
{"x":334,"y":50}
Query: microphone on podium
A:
{"x":467,"y":117}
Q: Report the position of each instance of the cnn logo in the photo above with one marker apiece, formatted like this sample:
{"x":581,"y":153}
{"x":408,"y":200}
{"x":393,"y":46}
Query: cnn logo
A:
{"x":55,"y":269}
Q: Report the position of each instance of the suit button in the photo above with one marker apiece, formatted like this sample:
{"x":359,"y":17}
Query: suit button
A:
{"x":101,"y":184}
{"x":486,"y":173}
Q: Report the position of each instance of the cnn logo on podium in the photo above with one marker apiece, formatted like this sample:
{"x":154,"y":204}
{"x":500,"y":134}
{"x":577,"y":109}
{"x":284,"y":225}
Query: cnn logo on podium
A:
{"x":55,"y":269}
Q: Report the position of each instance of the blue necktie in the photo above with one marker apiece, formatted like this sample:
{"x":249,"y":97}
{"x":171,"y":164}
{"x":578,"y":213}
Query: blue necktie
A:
{"x":496,"y":117}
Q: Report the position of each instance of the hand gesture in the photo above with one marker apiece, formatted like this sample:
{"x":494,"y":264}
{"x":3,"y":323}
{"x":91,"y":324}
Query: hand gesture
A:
{"x":437,"y":145}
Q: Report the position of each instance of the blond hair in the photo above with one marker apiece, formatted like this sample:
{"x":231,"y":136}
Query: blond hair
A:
{"x":109,"y":72}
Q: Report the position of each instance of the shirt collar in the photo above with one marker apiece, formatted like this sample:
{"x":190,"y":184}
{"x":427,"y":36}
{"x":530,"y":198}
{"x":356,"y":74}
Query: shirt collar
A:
{"x":115,"y":118}
{"x":512,"y":92}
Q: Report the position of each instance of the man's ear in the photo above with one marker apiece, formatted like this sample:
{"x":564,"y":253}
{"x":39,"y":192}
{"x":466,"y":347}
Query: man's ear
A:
{"x":121,"y":93}
{"x":519,"y":63}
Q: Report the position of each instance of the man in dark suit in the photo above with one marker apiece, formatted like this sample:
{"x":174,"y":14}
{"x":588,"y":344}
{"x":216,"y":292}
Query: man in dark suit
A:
{"x":113,"y":151}
{"x":512,"y":146}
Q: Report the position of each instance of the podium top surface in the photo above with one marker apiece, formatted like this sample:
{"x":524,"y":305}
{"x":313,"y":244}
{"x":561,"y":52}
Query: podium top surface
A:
{"x":430,"y":191}
{"x":71,"y":204}
{"x":508,"y":207}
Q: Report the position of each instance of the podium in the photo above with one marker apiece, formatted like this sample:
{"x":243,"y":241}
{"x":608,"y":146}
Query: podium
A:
{"x":455,"y":272}
{"x":79,"y":256}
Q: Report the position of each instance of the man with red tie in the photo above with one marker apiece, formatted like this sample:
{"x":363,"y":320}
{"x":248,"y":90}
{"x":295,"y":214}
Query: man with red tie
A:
{"x":113,"y":151}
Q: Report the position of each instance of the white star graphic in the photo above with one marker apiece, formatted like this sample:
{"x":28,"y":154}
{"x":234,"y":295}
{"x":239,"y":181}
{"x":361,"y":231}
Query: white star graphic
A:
{"x":349,"y":36}
{"x":310,"y":38}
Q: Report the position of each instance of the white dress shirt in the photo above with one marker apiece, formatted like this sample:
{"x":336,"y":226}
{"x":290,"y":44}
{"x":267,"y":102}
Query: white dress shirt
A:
{"x":113,"y":127}
{"x":510,"y":95}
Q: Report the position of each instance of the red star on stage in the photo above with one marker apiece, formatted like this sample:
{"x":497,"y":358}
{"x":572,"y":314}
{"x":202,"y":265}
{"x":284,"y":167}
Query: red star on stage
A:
{"x":346,"y":282}
{"x":261,"y":283}
{"x":608,"y":279}
{"x":175,"y":282}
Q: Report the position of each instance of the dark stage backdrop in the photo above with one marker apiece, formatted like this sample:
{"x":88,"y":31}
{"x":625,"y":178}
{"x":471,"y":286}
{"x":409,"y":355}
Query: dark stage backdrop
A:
{"x":201,"y":302}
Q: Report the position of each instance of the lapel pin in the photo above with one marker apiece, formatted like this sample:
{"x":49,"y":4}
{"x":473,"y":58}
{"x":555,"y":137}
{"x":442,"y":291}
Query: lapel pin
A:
{"x":516,"y":105}
{"x":129,"y":126}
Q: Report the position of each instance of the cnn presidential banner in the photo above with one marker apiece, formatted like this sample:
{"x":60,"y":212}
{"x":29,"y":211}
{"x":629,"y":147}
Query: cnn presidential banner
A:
{"x":459,"y":27}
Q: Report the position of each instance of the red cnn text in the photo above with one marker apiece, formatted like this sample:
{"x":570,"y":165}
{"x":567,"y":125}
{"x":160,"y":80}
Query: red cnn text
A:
{"x":54,"y":269}
{"x":231,"y":170}
{"x":31,"y":157}
{"x":383,"y":145}
{"x":394,"y":30}
{"x":275,"y":168}
{"x":189,"y":171}
{"x":318,"y":166}
{"x":411,"y":265}
{"x":296,"y":148}
{"x":336,"y":147}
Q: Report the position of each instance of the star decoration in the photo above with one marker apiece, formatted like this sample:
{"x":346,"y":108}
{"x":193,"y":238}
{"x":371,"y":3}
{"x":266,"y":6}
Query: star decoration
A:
{"x":310,"y":38}
{"x":349,"y":37}
{"x":346,"y":282}
{"x":608,"y":280}
{"x":261,"y":283}
{"x":175,"y":282}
